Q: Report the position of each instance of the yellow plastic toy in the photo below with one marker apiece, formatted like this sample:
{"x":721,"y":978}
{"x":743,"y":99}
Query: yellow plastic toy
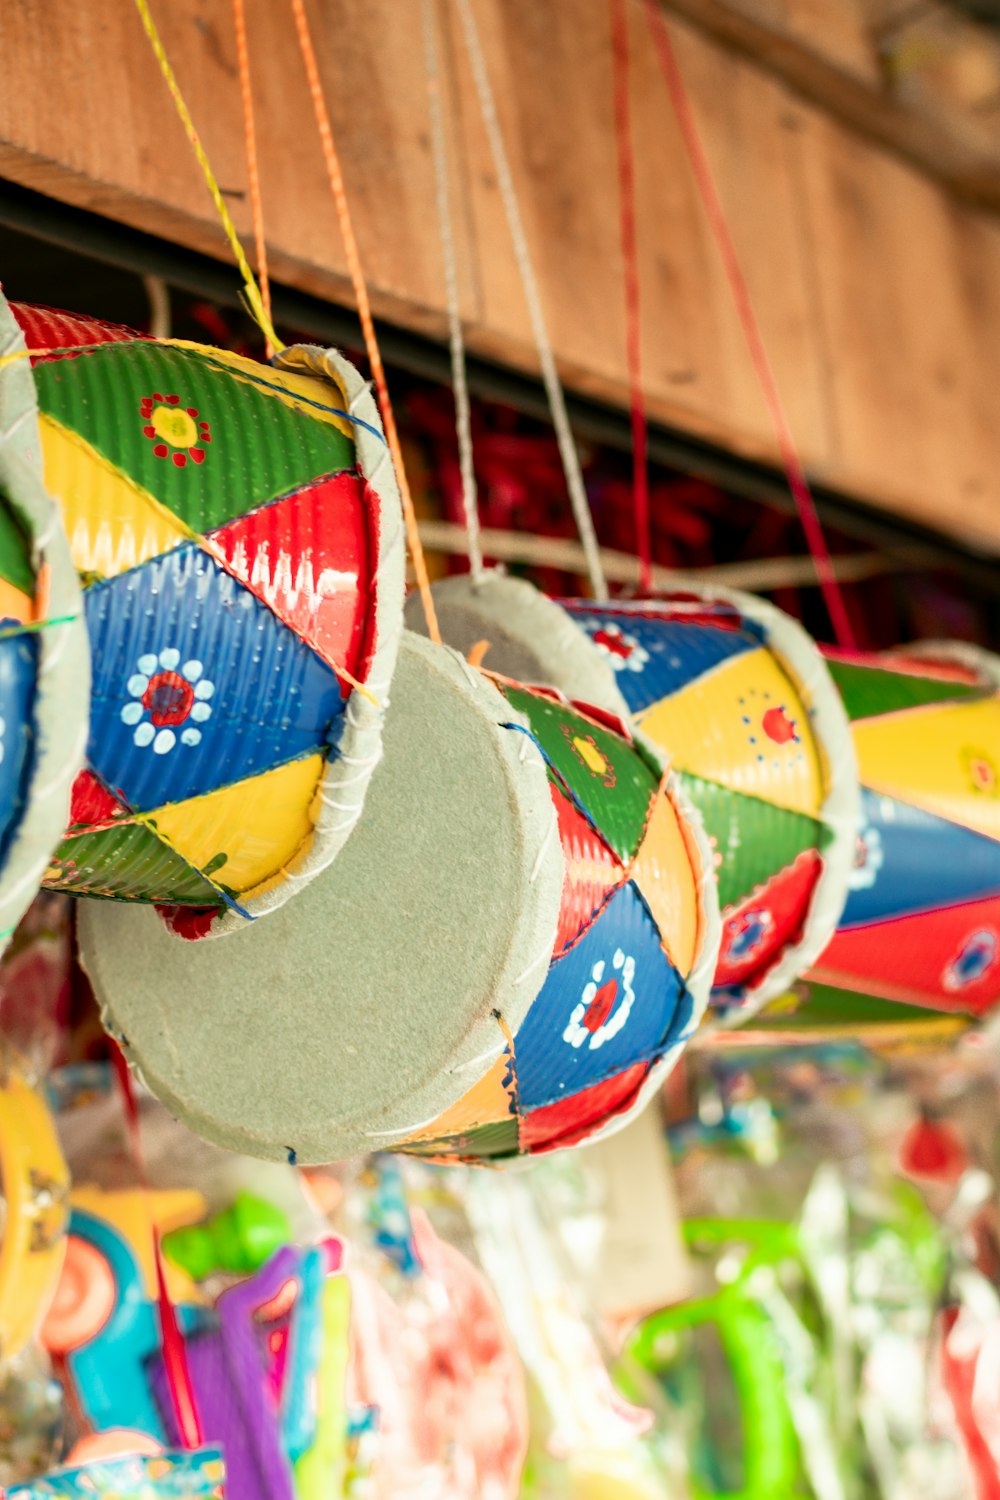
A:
{"x":36,"y":1192}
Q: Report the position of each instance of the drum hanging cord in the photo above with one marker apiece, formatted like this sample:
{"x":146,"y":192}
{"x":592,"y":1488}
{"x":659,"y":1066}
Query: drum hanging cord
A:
{"x":252,"y":290}
{"x":550,"y":377}
{"x":336,"y":181}
{"x":463,"y":424}
{"x":630,"y":259}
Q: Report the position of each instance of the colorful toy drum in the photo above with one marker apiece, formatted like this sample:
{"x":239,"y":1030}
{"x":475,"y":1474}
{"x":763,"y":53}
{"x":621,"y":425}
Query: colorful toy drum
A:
{"x":922,"y":922}
{"x":237,"y":531}
{"x":44,"y":661}
{"x":372,"y":1002}
{"x":734,"y":694}
{"x":634,"y":956}
{"x":506,"y":957}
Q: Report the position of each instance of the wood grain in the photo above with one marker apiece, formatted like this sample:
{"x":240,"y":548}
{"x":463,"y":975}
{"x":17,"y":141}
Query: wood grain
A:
{"x":878,"y":292}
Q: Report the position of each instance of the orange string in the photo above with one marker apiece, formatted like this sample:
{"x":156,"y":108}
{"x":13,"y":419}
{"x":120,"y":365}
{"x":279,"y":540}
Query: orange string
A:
{"x":253,"y":173}
{"x":336,"y":181}
{"x":172,"y":1346}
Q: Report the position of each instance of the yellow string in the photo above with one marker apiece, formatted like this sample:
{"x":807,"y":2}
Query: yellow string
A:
{"x":253,"y":295}
{"x":253,"y":170}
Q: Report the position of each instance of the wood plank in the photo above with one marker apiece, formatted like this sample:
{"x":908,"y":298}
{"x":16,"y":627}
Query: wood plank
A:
{"x":907,"y":293}
{"x":927,"y":143}
{"x":551,"y":75}
{"x":879,"y":297}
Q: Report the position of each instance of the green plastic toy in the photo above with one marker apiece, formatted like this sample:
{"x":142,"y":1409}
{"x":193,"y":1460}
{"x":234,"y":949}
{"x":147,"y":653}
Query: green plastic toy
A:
{"x":240,"y":1239}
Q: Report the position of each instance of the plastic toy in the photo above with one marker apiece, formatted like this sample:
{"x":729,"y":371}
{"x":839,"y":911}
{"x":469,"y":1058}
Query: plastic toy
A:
{"x":240,"y":1239}
{"x":255,"y":1375}
{"x":104,"y":1322}
{"x":36,"y":1208}
{"x":237,"y":531}
{"x":767,"y":1444}
{"x":164,"y":1476}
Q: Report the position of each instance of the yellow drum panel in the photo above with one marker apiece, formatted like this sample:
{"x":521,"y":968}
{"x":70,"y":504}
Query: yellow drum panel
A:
{"x":112,"y":523}
{"x":486,"y":1103}
{"x":282,"y":384}
{"x":662,"y":870}
{"x":944,"y":759}
{"x":743,"y":725}
{"x":36,"y":1188}
{"x":259,"y":825}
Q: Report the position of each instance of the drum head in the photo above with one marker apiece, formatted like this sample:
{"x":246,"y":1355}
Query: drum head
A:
{"x":44,"y":653}
{"x":372,"y":1002}
{"x":531,"y":638}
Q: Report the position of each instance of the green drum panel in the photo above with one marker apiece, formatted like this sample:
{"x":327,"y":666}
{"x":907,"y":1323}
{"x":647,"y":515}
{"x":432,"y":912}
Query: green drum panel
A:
{"x":123,"y":859}
{"x":870,"y":692}
{"x":754,"y":838}
{"x":609,"y":778}
{"x":15,"y":554}
{"x":255,"y":447}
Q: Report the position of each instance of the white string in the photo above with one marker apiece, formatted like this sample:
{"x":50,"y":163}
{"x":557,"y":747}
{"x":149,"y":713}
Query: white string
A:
{"x":463,"y":420}
{"x":550,"y":377}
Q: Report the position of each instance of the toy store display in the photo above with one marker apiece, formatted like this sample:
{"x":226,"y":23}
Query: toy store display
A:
{"x":544,"y":864}
{"x":738,"y":701}
{"x":237,"y":531}
{"x":44,"y":659}
{"x":335,"y":1343}
{"x":890,"y":1269}
{"x":288,"y":1206}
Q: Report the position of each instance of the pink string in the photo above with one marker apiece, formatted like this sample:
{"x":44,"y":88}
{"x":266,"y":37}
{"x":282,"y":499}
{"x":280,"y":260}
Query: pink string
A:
{"x":795,"y":473}
{"x":633,"y":324}
{"x":175,"y":1365}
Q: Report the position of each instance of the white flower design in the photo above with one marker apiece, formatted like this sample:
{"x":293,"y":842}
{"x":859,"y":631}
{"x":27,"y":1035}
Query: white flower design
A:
{"x":623,"y":651}
{"x":869,"y":857}
{"x":164,"y":697}
{"x":601,"y":1012}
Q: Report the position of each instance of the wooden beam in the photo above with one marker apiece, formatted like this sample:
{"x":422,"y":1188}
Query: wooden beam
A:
{"x":760,"y":574}
{"x":925,"y":141}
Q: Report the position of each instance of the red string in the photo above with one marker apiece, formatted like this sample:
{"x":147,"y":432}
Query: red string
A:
{"x":175,"y":1365}
{"x":791,"y":462}
{"x":633,"y":325}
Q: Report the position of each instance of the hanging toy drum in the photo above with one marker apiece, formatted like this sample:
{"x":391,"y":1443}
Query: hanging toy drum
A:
{"x":373,"y":1001}
{"x":509,"y":952}
{"x":635,"y":950}
{"x":237,"y":530}
{"x":44,"y":662}
{"x":736,"y":697}
{"x":922,"y":921}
